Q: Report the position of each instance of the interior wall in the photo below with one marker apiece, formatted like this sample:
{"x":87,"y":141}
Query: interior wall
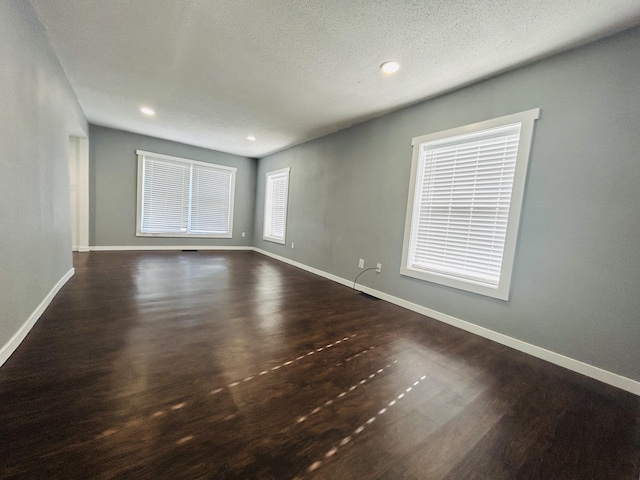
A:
{"x":113,"y":185}
{"x":577,"y":268}
{"x":39,"y":113}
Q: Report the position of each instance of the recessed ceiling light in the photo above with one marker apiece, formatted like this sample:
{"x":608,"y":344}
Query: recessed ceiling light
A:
{"x":147,"y":111}
{"x":251,"y":138}
{"x":390,"y":67}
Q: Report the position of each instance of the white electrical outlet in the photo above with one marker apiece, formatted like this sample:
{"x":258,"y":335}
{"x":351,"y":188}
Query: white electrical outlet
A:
{"x":361,"y":263}
{"x":243,"y":234}
{"x":293,"y":244}
{"x":379,"y":268}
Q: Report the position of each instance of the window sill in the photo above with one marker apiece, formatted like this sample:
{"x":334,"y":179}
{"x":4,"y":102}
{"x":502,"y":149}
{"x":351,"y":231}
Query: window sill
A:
{"x":184,"y":235}
{"x":501,"y":292}
{"x":281,"y":241}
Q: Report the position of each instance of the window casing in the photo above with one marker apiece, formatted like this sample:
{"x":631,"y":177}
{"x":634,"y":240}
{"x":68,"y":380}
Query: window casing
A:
{"x":276,"y":198}
{"x":184,"y":198}
{"x":465,"y":197}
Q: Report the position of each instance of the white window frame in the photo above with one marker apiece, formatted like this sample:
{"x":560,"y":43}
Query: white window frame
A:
{"x":526,"y":120}
{"x":270,"y":177}
{"x":141,"y":157}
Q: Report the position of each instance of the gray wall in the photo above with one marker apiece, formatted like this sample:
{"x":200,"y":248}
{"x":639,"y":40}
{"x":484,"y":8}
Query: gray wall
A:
{"x":113,"y":182}
{"x":576,"y":282}
{"x":39,"y":110}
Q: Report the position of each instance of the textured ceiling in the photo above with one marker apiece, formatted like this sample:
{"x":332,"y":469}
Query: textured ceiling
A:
{"x":287,"y":71}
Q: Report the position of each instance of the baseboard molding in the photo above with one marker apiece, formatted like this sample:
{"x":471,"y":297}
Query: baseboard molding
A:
{"x":163,"y":248}
{"x":596,"y":373}
{"x":302,"y":266}
{"x":15,"y":341}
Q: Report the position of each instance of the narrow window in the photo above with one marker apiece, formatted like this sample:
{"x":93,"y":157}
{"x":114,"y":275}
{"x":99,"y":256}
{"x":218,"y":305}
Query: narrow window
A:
{"x":179,"y":197}
{"x":465,"y":196}
{"x":275,"y":205}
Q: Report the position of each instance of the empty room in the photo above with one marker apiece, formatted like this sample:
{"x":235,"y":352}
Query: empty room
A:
{"x":277,"y":239}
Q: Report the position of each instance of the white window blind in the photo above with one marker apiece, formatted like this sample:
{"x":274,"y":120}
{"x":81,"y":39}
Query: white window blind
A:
{"x":180,"y":197}
{"x":465,"y":191}
{"x":211,"y":200}
{"x":275,"y":205}
{"x":165,"y":196}
{"x":461,"y":205}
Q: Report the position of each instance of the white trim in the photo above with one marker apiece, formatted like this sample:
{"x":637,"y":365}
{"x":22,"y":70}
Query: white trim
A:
{"x":279,"y":171}
{"x":139,"y":194}
{"x":188,"y":160}
{"x":184,"y":235}
{"x":281,"y":241}
{"x":269,"y":178}
{"x":82,"y":182}
{"x":73,"y":190}
{"x":526,"y":120}
{"x":302,"y":266}
{"x":525,"y":116}
{"x":79,"y":191}
{"x":619,"y":381}
{"x":17,"y":338}
{"x":113,"y":248}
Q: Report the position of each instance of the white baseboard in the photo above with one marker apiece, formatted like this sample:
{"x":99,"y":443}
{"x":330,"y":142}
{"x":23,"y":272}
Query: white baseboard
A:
{"x":624,"y":383}
{"x":321,"y":273}
{"x":164,"y":248}
{"x":15,"y":341}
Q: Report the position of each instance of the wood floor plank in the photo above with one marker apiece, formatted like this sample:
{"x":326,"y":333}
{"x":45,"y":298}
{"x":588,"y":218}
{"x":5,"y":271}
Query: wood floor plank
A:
{"x":231,"y":365}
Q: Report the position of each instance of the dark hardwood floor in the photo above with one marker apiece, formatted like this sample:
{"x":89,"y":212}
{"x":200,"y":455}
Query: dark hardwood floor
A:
{"x":208,"y":365}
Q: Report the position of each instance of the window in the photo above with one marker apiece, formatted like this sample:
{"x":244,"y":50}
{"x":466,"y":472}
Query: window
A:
{"x":184,"y":198}
{"x":464,"y":204}
{"x":275,"y":205}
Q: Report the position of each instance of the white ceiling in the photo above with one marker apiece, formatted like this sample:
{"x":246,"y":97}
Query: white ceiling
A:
{"x":287,"y":71}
